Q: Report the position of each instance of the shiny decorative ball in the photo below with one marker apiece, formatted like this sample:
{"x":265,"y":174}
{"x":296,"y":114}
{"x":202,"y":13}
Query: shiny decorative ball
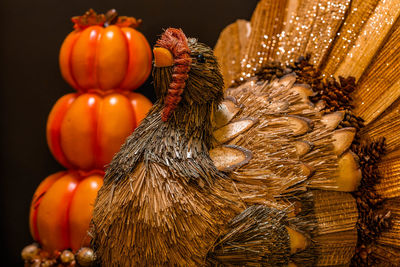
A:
{"x":67,"y":256}
{"x":85,"y":257}
{"x":29,"y":252}
{"x":35,"y":263}
{"x":48,"y":263}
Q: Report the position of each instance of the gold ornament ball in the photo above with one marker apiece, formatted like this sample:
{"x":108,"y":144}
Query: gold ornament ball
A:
{"x":85,"y":257}
{"x":29,"y":252}
{"x":67,"y":257}
{"x":35,"y":263}
{"x":48,"y":263}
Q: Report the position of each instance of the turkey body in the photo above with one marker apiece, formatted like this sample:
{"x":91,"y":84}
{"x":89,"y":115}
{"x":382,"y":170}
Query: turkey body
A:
{"x":163,"y":201}
{"x":251,"y":177}
{"x":167,"y":203}
{"x":160,"y":213}
{"x":264,"y":173}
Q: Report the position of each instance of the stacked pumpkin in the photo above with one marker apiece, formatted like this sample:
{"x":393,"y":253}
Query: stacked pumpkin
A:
{"x":104,"y":58}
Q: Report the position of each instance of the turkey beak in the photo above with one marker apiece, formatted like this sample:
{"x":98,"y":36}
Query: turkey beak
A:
{"x":162,"y":57}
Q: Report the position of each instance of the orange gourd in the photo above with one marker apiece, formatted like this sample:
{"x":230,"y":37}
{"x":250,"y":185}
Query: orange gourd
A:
{"x":105,"y":56}
{"x":85,"y":130}
{"x":61,"y":209}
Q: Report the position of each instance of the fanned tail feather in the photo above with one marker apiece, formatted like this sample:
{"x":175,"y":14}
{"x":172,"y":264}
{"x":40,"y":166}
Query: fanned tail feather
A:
{"x":337,"y":39}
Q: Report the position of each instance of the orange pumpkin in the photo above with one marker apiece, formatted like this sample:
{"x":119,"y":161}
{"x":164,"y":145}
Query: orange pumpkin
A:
{"x":85,"y":130}
{"x":61,"y":209}
{"x":98,"y":55}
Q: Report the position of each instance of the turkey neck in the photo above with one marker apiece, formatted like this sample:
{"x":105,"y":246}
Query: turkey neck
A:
{"x":192,"y":120}
{"x":181,"y":144}
{"x":183,"y":141}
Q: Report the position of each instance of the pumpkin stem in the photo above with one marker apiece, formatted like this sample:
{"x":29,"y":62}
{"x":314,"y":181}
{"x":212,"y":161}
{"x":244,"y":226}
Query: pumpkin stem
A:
{"x":128,"y":22}
{"x":91,"y":18}
{"x":111,"y":17}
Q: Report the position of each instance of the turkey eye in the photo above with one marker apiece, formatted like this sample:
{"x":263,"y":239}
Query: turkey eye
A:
{"x":201,"y":58}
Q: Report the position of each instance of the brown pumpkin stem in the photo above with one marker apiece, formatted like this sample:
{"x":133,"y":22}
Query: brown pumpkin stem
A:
{"x":91,"y":18}
{"x":132,"y":22}
{"x":111,"y":17}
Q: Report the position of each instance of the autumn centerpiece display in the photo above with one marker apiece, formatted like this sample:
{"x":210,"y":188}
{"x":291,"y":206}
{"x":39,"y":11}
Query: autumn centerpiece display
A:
{"x":295,"y":164}
{"x":104,"y":58}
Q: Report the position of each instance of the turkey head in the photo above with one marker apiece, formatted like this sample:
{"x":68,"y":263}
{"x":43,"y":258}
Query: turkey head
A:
{"x":180,"y":63}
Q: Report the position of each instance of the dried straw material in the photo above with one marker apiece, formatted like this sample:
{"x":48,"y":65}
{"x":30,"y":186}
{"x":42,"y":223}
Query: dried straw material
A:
{"x":271,"y":103}
{"x":297,"y":31}
{"x":230,"y":47}
{"x":392,"y":236}
{"x":335,"y":94}
{"x":336,"y":248}
{"x":358,"y":14}
{"x":384,"y":255}
{"x":145,"y":215}
{"x":233,"y":129}
{"x":266,"y":27}
{"x":228,"y":158}
{"x":335,"y":211}
{"x":156,"y":187}
{"x":257,"y":235}
{"x":387,"y":125}
{"x":330,"y":15}
{"x":336,"y":217}
{"x":379,"y":86}
{"x":311,"y":29}
{"x":370,"y":39}
{"x":162,"y":186}
{"x":226,"y":111}
{"x":165,"y":201}
{"x":225,"y":173}
{"x":275,"y":156}
{"x":164,"y":192}
{"x":389,"y":186}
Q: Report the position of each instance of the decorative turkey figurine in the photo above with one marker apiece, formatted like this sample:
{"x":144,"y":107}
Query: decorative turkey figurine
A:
{"x":258,"y":175}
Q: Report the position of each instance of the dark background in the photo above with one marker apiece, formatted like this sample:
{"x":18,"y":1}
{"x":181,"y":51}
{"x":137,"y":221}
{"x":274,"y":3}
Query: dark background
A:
{"x":31,"y":33}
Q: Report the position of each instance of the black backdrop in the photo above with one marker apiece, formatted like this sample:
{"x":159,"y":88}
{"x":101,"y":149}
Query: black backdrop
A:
{"x":31,"y":33}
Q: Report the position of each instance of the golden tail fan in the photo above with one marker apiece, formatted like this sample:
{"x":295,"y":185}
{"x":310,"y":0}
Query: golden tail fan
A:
{"x":322,"y":42}
{"x":295,"y":162}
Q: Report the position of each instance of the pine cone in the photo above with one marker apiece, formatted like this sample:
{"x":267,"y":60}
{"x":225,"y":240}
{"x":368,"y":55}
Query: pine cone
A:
{"x":373,"y":219}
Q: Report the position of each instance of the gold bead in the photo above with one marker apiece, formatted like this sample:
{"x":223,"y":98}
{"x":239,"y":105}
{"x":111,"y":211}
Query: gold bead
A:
{"x":35,"y":263}
{"x":85,"y":257}
{"x":67,"y":256}
{"x":48,"y":263}
{"x":29,"y":252}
